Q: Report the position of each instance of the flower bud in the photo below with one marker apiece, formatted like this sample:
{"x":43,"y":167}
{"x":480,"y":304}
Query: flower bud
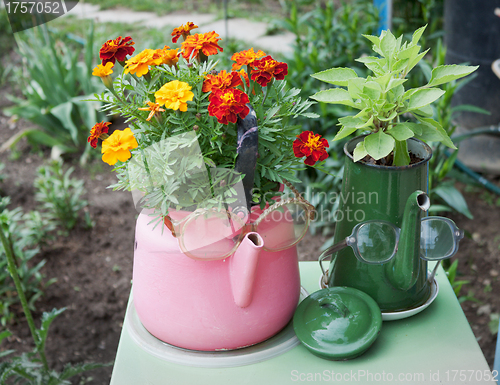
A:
{"x":196,"y":127}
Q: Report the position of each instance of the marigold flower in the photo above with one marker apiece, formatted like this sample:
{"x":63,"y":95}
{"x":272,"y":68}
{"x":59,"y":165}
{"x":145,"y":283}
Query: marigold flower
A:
{"x":221,"y":81}
{"x":116,"y":49}
{"x":183,"y":30}
{"x":312,"y":146}
{"x":153,"y":108}
{"x":117,"y":147}
{"x":244,"y":77}
{"x":245,"y":58}
{"x":100,"y":130}
{"x":267,"y":68}
{"x":174,"y":95}
{"x":169,"y":56}
{"x":139,"y":64}
{"x":227,"y":104}
{"x":206,"y":42}
{"x":103,"y":70}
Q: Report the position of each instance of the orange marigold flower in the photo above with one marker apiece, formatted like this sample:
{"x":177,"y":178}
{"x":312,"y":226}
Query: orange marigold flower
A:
{"x":116,"y":49}
{"x":267,"y":68}
{"x":221,"y":81}
{"x":312,"y":146}
{"x":206,"y":42}
{"x":245,"y":58}
{"x":227,"y":104}
{"x":103,"y":70}
{"x":139,"y":64}
{"x":169,"y":56}
{"x":153,"y":108}
{"x":117,"y":147}
{"x":174,"y":95}
{"x":183,"y":30}
{"x":100,"y":130}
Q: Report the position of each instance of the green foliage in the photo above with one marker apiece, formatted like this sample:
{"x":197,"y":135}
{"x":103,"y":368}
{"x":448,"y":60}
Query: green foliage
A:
{"x":326,"y":36}
{"x":410,"y":15}
{"x":2,"y":176}
{"x":19,"y":231}
{"x":60,"y":196}
{"x":443,"y":193}
{"x":54,"y":84}
{"x":6,"y":39}
{"x":29,"y":370}
{"x":383,"y":100}
{"x":457,"y":284}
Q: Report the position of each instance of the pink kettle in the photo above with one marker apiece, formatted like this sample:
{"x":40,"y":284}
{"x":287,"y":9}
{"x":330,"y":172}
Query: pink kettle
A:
{"x":225,"y":304}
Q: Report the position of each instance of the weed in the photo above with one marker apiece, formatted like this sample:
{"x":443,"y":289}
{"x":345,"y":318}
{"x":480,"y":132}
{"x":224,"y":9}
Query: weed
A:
{"x":493,"y":325}
{"x":23,"y":246}
{"x":452,"y":275}
{"x":59,"y":194}
{"x":31,"y":368}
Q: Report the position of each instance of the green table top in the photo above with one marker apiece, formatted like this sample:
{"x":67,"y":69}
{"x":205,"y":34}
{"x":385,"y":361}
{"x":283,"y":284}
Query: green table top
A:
{"x":436,"y":346}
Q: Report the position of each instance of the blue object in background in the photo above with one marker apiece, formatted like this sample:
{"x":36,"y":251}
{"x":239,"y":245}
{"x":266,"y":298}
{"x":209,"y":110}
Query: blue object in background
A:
{"x":496,"y":364}
{"x":385,"y":14}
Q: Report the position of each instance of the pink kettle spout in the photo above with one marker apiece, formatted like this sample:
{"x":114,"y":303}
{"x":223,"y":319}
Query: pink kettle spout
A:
{"x":243,"y":268}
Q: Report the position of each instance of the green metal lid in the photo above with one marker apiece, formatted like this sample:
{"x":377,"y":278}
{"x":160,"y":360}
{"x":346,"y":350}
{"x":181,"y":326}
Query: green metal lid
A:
{"x":337,"y":323}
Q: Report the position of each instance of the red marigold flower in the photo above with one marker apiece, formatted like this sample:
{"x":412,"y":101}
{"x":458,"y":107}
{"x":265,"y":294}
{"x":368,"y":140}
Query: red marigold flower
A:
{"x":267,"y":68}
{"x":206,"y":42}
{"x":221,"y":81}
{"x":116,"y":49}
{"x":183,"y":30}
{"x":100,"y":130}
{"x":312,"y":146}
{"x":227,"y":104}
{"x":245,"y":58}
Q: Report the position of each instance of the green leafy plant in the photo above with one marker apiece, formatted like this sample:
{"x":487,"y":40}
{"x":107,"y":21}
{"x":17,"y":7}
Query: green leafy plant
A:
{"x":31,"y":368}
{"x":54,"y":84}
{"x":59,"y":194}
{"x":328,"y":35}
{"x":441,"y":187}
{"x":18,"y":232}
{"x":383,"y":101}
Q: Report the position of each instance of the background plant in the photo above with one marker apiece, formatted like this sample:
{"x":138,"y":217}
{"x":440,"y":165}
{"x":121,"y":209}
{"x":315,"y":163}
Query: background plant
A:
{"x":54,"y":82}
{"x":60,"y":196}
{"x":18,"y":231}
{"x":325,"y":34}
{"x":384,"y":102}
{"x":31,"y":368}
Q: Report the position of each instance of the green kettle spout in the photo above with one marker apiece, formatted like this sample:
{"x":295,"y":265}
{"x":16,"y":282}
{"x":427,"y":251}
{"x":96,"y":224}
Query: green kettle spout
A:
{"x":402,"y":271}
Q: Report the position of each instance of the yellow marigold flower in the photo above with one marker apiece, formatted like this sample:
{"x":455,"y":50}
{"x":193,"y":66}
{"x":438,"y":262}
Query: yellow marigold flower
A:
{"x":174,"y":95}
{"x":140,"y":63}
{"x":153,"y":107}
{"x":169,"y":56}
{"x":117,"y":147}
{"x":103,"y":70}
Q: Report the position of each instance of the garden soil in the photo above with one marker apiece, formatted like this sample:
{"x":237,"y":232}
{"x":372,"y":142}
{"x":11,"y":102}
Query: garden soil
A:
{"x":93,"y":266}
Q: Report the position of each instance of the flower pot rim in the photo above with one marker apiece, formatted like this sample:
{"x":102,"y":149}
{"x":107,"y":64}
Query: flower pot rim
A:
{"x":425,"y":146}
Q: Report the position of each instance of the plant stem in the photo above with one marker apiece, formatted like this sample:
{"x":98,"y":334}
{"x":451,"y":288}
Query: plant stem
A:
{"x":24,"y":303}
